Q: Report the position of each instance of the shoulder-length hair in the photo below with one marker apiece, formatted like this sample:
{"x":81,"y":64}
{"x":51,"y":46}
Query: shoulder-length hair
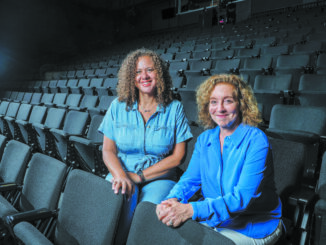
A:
{"x":249,"y":112}
{"x":126,"y":88}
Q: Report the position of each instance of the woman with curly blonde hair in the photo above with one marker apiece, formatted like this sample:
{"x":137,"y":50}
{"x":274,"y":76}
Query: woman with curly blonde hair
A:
{"x":232,"y":166}
{"x":249,"y":113}
{"x":145,"y":133}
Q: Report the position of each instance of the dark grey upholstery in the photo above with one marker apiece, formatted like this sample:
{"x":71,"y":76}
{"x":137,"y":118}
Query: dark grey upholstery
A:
{"x":103,"y":106}
{"x":72,"y":100}
{"x":108,"y":88}
{"x":320,"y":207}
{"x":54,"y":119}
{"x":26,"y":133}
{"x":3,"y":142}
{"x":86,"y":149}
{"x":14,"y":161}
{"x":11,"y":113}
{"x":41,"y":186}
{"x":312,"y":90}
{"x":59,"y":99}
{"x":292,"y":64}
{"x":95,"y":83}
{"x":226,"y":66}
{"x":293,"y":186}
{"x":87,"y":101}
{"x":88,"y":214}
{"x":193,"y":80}
{"x":270,"y":90}
{"x":75,"y":124}
{"x":23,"y":115}
{"x":78,"y":89}
{"x":147,"y":229}
{"x":256,"y":66}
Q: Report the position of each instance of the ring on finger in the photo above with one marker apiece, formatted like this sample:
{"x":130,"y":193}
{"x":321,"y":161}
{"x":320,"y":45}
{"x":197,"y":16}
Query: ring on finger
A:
{"x":170,"y":222}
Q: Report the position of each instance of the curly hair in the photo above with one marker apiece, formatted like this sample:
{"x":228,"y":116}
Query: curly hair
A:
{"x":126,"y":88}
{"x":249,"y":112}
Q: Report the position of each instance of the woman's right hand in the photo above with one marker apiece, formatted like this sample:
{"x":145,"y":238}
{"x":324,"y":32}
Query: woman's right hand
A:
{"x":125,"y":184}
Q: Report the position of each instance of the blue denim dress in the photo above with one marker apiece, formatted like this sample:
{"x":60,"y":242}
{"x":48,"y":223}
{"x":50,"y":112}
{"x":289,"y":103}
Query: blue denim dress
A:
{"x":141,"y":145}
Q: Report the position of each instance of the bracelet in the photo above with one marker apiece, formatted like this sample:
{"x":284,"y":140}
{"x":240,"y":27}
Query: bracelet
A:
{"x":141,"y":175}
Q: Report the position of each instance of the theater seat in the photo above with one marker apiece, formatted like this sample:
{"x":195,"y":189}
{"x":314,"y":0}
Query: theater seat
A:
{"x":74,"y":125}
{"x":319,"y":228}
{"x":89,"y":214}
{"x":147,"y":229}
{"x":41,"y":187}
{"x":86,"y":149}
{"x":14,"y":161}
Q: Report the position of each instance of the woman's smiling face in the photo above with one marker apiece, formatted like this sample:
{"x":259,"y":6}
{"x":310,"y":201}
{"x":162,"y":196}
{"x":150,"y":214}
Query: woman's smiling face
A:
{"x":146,"y":75}
{"x":224,"y":107}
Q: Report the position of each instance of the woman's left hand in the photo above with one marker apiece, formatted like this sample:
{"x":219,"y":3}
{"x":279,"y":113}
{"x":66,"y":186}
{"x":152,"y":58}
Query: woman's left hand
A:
{"x":175,"y":213}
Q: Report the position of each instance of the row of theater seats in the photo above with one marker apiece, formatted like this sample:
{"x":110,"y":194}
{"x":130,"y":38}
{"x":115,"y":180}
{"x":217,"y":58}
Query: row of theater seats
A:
{"x":95,"y":93}
{"x":31,"y":186}
{"x":94,"y":86}
{"x":298,"y":167}
{"x":66,"y":132}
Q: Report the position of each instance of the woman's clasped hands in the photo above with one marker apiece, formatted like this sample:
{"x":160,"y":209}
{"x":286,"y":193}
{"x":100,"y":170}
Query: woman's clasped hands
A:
{"x":173,"y":213}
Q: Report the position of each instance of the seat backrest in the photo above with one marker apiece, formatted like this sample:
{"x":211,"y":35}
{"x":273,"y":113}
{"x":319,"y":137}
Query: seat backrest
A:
{"x":36,"y":98}
{"x":88,"y":101}
{"x":47,"y":98}
{"x":178,"y":65}
{"x":73,"y":99}
{"x":24,"y":112}
{"x":227,"y":65}
{"x":147,"y":229}
{"x":93,"y":133}
{"x":42,"y":183}
{"x":12,"y":109}
{"x":83,"y":204}
{"x":84,"y":82}
{"x":110,"y":83}
{"x":292,"y":61}
{"x":62,"y":83}
{"x":75,"y":122}
{"x":96,"y":82}
{"x":72,"y":83}
{"x":299,"y":118}
{"x":3,"y":142}
{"x":14,"y":161}
{"x":194,"y":80}
{"x":38,"y":114}
{"x":60,"y":98}
{"x":105,"y":102}
{"x":4,"y":107}
{"x":278,"y":82}
{"x":264,"y":62}
{"x":222,"y":54}
{"x":245,"y":52}
{"x":55,"y":117}
{"x":27,"y":97}
{"x":312,"y":82}
{"x":321,"y":61}
{"x":20,"y":96}
{"x":198,"y":65}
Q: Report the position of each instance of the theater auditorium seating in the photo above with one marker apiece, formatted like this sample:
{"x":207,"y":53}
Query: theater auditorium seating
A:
{"x":281,"y":55}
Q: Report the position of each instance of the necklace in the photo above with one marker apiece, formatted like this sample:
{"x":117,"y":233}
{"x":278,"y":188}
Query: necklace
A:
{"x":147,"y":110}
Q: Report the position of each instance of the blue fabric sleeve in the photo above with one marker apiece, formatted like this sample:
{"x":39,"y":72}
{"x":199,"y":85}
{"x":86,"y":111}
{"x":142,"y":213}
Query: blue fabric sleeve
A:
{"x":107,"y":125}
{"x":190,"y":181}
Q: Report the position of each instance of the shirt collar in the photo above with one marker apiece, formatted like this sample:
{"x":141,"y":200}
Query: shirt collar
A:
{"x":134,"y":107}
{"x":236,"y":137}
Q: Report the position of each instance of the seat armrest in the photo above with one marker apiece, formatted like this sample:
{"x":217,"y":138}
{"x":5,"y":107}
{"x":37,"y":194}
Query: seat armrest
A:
{"x":38,"y":214}
{"x":9,"y":187}
{"x":304,"y":196}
